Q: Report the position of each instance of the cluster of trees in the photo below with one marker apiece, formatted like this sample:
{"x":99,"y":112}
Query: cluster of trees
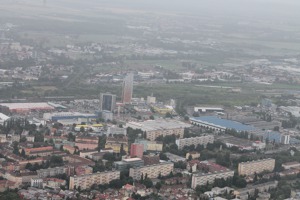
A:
{"x":163,"y":156}
{"x":100,"y":167}
{"x":146,"y":181}
{"x":285,"y":156}
{"x":133,"y":134}
{"x":101,"y":142}
{"x":54,"y":161}
{"x":16,"y":124}
{"x":265,"y":116}
{"x":16,"y":148}
{"x":180,"y":165}
{"x":236,"y":181}
{"x":10,"y":194}
{"x":71,"y":137}
{"x":151,"y":196}
{"x":115,"y":184}
{"x":118,"y":183}
{"x":110,"y":157}
{"x":36,"y":166}
{"x":242,"y":134}
{"x":223,"y":159}
{"x":283,"y":191}
{"x":291,"y":123}
{"x":168,"y":139}
{"x":188,"y":133}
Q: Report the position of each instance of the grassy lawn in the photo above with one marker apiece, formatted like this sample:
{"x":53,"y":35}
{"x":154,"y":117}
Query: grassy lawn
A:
{"x":192,"y":94}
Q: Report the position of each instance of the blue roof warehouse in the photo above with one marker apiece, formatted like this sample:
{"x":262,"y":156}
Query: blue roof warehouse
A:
{"x":220,"y":124}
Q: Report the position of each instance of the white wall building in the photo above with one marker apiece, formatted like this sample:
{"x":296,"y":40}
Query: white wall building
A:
{"x":202,"y":140}
{"x":203,"y":178}
{"x":151,"y":100}
{"x":3,"y":118}
{"x":116,"y":131}
{"x":161,"y":127}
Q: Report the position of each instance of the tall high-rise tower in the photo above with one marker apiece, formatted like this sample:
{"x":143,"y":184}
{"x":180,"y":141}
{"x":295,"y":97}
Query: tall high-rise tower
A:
{"x":127,"y":89}
{"x":107,"y":101}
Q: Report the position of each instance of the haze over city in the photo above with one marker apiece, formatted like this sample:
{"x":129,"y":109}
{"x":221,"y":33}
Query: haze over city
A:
{"x":136,"y":99}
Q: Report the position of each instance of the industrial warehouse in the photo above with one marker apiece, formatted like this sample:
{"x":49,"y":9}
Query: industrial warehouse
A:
{"x":220,"y":124}
{"x":24,"y":107}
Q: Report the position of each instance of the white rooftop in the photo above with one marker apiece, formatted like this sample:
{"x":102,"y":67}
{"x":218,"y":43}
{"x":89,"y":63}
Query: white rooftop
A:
{"x":131,"y":159}
{"x":159,"y":124}
{"x":26,"y":105}
{"x":3,"y":117}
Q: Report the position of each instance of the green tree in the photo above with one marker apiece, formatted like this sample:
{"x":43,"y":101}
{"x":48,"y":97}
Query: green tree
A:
{"x":122,"y":151}
{"x":148,"y":183}
{"x":23,"y":153}
{"x":56,"y":161}
{"x":82,"y":129}
{"x":158,"y":185}
{"x":116,"y":184}
{"x":16,"y":148}
{"x":163,"y":156}
{"x":109,"y":157}
{"x":276,"y":128}
{"x":23,"y":139}
{"x":168,"y":115}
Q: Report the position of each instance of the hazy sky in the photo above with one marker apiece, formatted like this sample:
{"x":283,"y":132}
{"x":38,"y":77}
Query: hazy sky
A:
{"x":260,"y":8}
{"x":284,"y":11}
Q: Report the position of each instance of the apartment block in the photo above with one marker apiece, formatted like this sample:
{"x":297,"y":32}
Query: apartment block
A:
{"x":154,"y":146}
{"x":258,"y":166}
{"x":151,"y":159}
{"x":202,"y":140}
{"x":86,"y":143}
{"x":136,"y":150}
{"x":203,"y":178}
{"x":23,"y":163}
{"x":30,"y":151}
{"x":291,"y":165}
{"x":193,"y":154}
{"x":152,"y":171}
{"x":116,"y":144}
{"x":152,"y":135}
{"x":86,"y":181}
{"x":44,"y":173}
{"x":150,"y":145}
{"x":156,"y":128}
{"x":127,"y":163}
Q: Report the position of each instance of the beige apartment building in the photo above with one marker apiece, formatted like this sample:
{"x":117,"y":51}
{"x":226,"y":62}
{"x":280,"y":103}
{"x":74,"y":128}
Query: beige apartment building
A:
{"x":203,"y":178}
{"x":202,"y":140}
{"x":44,"y":173}
{"x":160,"y":127}
{"x":86,"y":181}
{"x":152,"y":171}
{"x":258,"y":166}
{"x":152,"y":135}
{"x":153,"y":146}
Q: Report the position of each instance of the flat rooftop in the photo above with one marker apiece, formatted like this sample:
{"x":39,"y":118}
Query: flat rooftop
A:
{"x":3,"y":117}
{"x":132,"y":159}
{"x":159,"y":124}
{"x":235,"y":141}
{"x":223,"y":123}
{"x":13,"y":106}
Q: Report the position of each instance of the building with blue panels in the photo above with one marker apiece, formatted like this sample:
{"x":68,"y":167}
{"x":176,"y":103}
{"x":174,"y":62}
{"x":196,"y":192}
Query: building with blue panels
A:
{"x":220,"y":124}
{"x":294,"y":141}
{"x":272,"y":136}
{"x":68,"y":116}
{"x":276,"y":137}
